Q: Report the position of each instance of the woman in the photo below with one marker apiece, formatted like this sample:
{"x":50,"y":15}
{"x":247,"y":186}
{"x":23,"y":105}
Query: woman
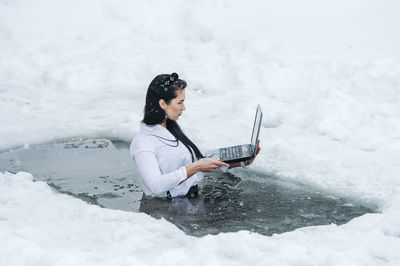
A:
{"x":170,"y":164}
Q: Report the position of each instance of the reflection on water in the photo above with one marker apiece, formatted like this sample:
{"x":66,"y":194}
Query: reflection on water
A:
{"x":101,"y":172}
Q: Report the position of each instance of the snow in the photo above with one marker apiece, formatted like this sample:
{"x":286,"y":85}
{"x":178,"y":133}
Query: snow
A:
{"x":41,"y":227}
{"x":327,"y":76}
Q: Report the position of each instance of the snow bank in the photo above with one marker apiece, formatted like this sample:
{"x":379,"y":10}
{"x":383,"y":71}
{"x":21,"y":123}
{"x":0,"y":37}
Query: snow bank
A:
{"x":39,"y":226}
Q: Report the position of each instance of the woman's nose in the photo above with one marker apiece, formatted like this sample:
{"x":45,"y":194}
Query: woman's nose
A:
{"x":183,"y":107}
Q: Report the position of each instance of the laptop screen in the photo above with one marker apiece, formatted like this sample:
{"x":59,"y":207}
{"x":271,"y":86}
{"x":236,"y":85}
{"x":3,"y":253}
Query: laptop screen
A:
{"x":256,"y":128}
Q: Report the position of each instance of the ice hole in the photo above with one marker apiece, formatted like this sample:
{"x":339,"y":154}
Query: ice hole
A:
{"x":101,"y":172}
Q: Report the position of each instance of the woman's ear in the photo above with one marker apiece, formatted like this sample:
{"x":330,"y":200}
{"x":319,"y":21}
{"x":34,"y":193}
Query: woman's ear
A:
{"x":162,"y":104}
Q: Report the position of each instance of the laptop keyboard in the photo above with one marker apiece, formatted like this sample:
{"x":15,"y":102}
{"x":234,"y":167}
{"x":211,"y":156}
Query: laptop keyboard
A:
{"x":230,"y":153}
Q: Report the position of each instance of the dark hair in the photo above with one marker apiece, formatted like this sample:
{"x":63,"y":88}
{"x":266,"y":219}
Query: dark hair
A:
{"x":164,"y":87}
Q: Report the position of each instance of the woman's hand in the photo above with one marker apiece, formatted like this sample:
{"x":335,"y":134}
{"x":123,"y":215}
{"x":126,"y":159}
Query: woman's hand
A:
{"x":208,"y":165}
{"x":203,"y":165}
{"x":248,"y":162}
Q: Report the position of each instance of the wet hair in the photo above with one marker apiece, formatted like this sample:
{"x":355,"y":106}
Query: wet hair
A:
{"x":164,"y":87}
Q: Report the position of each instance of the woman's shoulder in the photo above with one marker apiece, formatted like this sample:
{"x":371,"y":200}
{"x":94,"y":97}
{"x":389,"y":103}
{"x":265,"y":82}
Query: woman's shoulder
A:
{"x":141,"y":138}
{"x":142,"y":141}
{"x":139,"y":144}
{"x":148,"y":138}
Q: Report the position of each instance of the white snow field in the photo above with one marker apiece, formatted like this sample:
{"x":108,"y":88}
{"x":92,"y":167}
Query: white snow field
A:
{"x":326,"y":73}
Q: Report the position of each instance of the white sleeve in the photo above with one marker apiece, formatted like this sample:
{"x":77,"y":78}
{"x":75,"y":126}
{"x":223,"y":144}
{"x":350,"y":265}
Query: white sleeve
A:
{"x":144,"y":155}
{"x":158,"y":183}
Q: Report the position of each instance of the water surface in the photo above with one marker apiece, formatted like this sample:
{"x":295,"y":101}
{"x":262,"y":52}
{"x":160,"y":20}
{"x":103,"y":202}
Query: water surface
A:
{"x":101,"y":172}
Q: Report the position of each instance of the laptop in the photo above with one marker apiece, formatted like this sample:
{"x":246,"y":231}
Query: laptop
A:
{"x":242,"y":152}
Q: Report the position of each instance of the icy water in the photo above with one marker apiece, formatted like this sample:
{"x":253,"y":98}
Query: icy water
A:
{"x":101,"y":172}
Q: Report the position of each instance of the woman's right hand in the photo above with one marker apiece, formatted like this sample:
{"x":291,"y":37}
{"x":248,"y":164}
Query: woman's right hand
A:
{"x":203,"y":165}
{"x":208,"y":165}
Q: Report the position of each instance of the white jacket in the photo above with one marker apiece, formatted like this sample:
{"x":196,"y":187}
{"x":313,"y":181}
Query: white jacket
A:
{"x":162,"y":162}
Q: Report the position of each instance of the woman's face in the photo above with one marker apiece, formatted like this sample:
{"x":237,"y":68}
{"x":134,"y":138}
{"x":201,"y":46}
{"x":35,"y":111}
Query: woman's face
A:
{"x":176,"y":106}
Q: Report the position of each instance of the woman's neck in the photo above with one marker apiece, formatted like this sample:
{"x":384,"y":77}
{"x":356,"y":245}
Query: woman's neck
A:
{"x":164,"y":124}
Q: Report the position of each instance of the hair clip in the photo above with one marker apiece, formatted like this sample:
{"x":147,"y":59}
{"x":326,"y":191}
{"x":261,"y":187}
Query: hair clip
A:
{"x":172,"y":78}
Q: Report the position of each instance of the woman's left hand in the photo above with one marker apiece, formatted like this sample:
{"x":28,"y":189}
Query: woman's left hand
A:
{"x":248,"y":162}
